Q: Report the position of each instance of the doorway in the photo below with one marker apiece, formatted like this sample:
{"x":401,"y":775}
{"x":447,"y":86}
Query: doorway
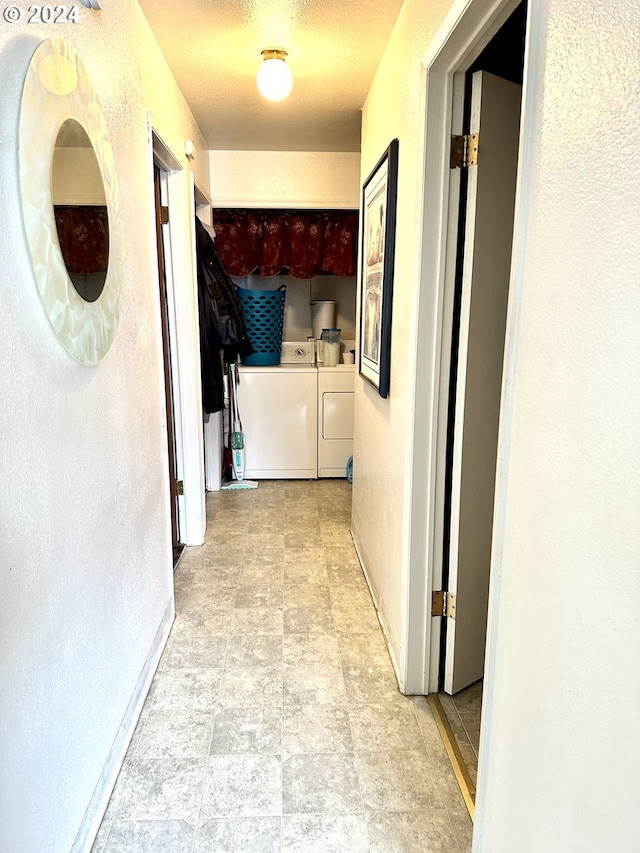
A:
{"x":178,"y":295}
{"x":174,"y":483}
{"x":487,"y":106}
{"x":486,"y":202}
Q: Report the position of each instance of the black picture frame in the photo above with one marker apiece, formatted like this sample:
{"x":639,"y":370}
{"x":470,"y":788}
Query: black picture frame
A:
{"x":377,"y":259}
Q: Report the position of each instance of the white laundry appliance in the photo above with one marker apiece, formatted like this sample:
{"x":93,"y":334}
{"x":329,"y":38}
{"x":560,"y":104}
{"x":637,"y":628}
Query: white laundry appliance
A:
{"x":279,"y":412}
{"x":335,"y":419}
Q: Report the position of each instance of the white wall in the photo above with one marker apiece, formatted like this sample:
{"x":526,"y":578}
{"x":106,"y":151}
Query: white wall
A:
{"x":76,"y":177}
{"x":85,"y":551}
{"x":300,"y":292}
{"x":560,"y":744}
{"x":277,"y":179}
{"x":382,"y":449}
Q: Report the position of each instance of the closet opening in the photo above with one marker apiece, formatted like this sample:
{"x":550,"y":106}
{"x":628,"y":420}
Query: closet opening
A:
{"x":487,"y":106}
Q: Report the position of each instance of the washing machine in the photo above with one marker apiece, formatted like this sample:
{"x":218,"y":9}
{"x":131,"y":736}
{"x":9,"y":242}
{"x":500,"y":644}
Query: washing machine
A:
{"x":335,"y":419}
{"x":279,"y":413}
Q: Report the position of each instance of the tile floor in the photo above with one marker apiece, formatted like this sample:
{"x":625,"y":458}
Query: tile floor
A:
{"x":274,"y":721}
{"x":464,"y":711}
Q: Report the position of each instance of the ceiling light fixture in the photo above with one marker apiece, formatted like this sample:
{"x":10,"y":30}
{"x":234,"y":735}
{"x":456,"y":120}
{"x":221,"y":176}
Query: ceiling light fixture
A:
{"x":274,"y":75}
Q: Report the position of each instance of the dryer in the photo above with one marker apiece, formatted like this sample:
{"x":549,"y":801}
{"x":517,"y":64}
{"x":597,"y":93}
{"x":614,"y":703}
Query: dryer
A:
{"x":335,"y":419}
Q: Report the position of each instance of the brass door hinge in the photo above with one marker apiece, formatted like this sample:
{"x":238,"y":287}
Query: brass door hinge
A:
{"x":180,"y":487}
{"x":443,"y":604}
{"x":164,"y":215}
{"x":464,"y":151}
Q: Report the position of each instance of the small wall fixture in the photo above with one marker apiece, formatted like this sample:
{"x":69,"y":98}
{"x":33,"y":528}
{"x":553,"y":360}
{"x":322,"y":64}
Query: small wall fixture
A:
{"x":274,"y":75}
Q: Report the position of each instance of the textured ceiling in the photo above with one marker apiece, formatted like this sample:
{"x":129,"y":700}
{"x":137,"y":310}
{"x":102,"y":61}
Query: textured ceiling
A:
{"x":213,"y":48}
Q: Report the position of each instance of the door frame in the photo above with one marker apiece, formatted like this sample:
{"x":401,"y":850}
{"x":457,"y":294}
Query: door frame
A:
{"x":466,"y":30}
{"x":213,"y":423}
{"x":176,"y":191}
{"x":170,"y":416}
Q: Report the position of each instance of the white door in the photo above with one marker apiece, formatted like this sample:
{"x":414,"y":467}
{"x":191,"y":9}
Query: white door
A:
{"x":495,"y":115}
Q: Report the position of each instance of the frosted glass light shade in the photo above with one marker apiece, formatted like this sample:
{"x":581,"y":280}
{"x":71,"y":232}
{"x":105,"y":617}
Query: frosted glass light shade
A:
{"x":275,"y":79}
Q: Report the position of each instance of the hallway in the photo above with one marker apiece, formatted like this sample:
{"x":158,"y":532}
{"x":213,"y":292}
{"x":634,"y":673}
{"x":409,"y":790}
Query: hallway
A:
{"x":274,"y":721}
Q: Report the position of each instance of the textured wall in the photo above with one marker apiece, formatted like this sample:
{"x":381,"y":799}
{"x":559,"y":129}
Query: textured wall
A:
{"x":382,"y":452}
{"x":561,"y":729}
{"x":85,"y":558}
{"x":307,"y":179}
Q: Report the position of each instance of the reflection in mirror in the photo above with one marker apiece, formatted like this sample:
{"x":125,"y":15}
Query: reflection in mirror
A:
{"x":80,"y":209}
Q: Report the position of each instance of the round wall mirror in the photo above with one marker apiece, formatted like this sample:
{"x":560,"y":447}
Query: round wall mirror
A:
{"x":80,"y":209}
{"x":70,"y":202}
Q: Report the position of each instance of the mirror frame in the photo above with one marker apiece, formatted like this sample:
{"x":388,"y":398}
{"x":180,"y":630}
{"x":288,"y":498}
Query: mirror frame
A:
{"x":56,"y":88}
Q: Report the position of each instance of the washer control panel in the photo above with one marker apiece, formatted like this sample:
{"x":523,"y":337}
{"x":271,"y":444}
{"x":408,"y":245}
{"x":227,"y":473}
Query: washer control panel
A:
{"x":298,"y":352}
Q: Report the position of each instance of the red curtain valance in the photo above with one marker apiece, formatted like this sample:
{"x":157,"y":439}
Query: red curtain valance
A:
{"x":83,"y":234}
{"x":299,"y":243}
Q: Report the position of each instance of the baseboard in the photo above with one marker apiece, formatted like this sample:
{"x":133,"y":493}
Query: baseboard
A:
{"x":100,"y":799}
{"x":384,"y":624}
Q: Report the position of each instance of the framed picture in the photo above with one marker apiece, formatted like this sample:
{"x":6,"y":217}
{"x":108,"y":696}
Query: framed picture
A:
{"x":379,"y":195}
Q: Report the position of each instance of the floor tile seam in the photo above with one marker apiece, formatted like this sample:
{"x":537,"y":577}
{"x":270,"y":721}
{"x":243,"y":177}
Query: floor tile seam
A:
{"x":471,"y":717}
{"x":213,"y":587}
{"x":419,"y":811}
{"x":237,"y":816}
{"x":379,"y":709}
{"x":238,"y":634}
{"x":200,"y":806}
{"x":171,"y":669}
{"x":346,"y":813}
{"x":286,"y":754}
{"x":167,"y":760}
{"x":375,"y":810}
{"x":476,"y":752}
{"x":430,"y":753}
{"x":318,"y":753}
{"x":454,"y":831}
{"x":453,"y":715}
{"x":355,"y":763}
{"x":448,"y":771}
{"x":339,"y":703}
{"x":462,"y":737}
{"x":394,"y":752}
{"x":349,"y":587}
{"x":311,"y":664}
{"x":473,"y":745}
{"x":209,"y":745}
{"x":295,"y":657}
{"x":322,"y":814}
{"x":231,"y":666}
{"x":261,"y":667}
{"x":216,"y":755}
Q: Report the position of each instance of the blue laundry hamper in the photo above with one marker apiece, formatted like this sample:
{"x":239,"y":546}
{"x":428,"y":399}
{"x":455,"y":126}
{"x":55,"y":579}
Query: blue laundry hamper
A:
{"x":264,"y":318}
